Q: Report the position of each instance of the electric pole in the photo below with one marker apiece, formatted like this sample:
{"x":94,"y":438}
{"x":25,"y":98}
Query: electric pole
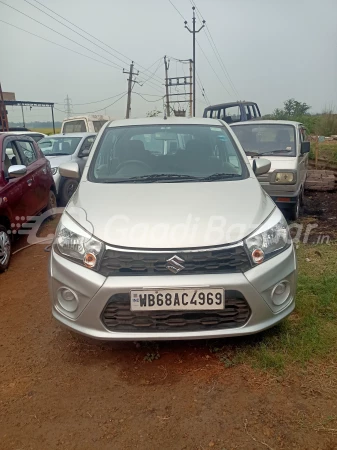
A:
{"x":3,"y":113}
{"x":167,"y":88}
{"x":194,"y":32}
{"x":191,"y":93}
{"x":130,"y":86}
{"x":68,"y":106}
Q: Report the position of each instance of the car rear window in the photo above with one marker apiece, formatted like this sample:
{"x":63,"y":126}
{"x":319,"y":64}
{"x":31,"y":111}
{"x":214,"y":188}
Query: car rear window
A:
{"x":74,"y":126}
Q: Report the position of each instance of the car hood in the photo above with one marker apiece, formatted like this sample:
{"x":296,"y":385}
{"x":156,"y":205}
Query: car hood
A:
{"x":56,"y":161}
{"x":170,"y":215}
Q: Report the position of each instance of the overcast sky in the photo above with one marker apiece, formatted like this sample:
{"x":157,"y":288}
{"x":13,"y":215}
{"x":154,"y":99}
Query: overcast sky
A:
{"x":273,"y":50}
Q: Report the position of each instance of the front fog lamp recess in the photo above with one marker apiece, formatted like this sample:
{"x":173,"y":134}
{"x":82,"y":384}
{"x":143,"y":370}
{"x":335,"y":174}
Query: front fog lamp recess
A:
{"x":67,"y":299}
{"x":281,"y":292}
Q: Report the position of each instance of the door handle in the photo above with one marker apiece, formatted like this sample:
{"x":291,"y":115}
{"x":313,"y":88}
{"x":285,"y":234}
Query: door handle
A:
{"x":30,"y":181}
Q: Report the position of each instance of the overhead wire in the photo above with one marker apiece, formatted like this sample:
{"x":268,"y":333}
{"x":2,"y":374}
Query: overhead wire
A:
{"x":177,"y":10}
{"x":215,"y":49}
{"x":97,"y":110}
{"x":86,"y":32}
{"x":55,"y":43}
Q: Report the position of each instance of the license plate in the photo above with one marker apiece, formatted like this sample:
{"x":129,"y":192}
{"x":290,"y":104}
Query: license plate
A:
{"x":177,"y":299}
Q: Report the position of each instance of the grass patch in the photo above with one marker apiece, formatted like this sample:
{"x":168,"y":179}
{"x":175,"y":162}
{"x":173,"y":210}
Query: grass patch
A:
{"x":48,"y":131}
{"x":326,"y":150}
{"x":309,"y":334}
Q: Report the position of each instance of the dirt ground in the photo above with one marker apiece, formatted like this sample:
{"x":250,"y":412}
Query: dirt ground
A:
{"x":56,"y":392}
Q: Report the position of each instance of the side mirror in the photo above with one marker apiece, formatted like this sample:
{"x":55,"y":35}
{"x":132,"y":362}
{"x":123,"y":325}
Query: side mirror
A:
{"x":16,"y":171}
{"x":84,"y":152}
{"x":70,"y":170}
{"x":261,"y":166}
{"x":305,"y":147}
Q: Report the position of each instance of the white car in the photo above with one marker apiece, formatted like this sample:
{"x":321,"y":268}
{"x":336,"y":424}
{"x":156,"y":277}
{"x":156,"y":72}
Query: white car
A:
{"x":33,"y":134}
{"x":62,"y":148}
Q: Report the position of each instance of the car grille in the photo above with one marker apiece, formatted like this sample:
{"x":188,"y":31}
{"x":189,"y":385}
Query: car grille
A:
{"x":224,"y":260}
{"x":117,"y":316}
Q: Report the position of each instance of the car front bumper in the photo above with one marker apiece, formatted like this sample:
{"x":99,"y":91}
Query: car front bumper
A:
{"x":94,"y":291}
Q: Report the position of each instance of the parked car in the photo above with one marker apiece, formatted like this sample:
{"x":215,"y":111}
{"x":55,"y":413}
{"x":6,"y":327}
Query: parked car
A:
{"x":33,"y":134}
{"x":233,"y":112}
{"x":286,"y":145}
{"x":156,"y":245}
{"x":60,"y":148}
{"x":26,"y":187}
{"x":84,"y":124}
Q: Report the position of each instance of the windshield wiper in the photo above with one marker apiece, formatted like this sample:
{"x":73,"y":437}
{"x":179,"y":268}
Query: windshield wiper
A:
{"x":56,"y":154}
{"x":151,"y":178}
{"x":270,"y":152}
{"x":248,"y":153}
{"x":219,"y":176}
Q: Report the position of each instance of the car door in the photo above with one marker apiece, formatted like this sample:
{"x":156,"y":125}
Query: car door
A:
{"x":13,"y":189}
{"x":302,"y":159}
{"x":35,"y":193}
{"x":83,"y":152}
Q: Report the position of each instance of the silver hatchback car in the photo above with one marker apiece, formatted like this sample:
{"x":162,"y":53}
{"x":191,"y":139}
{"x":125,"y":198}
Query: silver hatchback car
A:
{"x":170,"y":236}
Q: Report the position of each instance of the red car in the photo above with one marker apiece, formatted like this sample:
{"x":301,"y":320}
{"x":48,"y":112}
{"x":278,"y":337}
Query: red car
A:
{"x":26,"y":188}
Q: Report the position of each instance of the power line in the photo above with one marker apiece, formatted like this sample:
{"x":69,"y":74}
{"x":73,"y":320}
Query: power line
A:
{"x":55,"y":43}
{"x":97,"y":101}
{"x":150,"y":101}
{"x":114,"y":65}
{"x":159,"y":65}
{"x":216,"y":74}
{"x":86,"y":32}
{"x":216,"y":51}
{"x":66,"y":37}
{"x":201,"y":87}
{"x":177,"y":10}
{"x":97,"y":110}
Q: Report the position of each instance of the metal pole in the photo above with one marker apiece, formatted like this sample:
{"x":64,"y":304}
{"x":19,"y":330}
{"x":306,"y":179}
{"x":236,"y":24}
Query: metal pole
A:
{"x":23,"y":117}
{"x":52,"y":114}
{"x":194,"y":102}
{"x":128,"y":105}
{"x":191,"y":93}
{"x":194,"y":31}
{"x":167,"y":88}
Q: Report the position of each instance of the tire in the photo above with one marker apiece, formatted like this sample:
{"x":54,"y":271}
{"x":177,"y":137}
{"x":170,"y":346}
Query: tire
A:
{"x":68,"y":188}
{"x":5,"y":249}
{"x":294,"y":211}
{"x":52,"y":204}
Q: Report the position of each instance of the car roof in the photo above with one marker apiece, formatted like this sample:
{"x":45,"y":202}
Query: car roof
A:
{"x":226,"y":105}
{"x":23,"y":132}
{"x":162,"y":121}
{"x":267,"y":122}
{"x":81,"y":135}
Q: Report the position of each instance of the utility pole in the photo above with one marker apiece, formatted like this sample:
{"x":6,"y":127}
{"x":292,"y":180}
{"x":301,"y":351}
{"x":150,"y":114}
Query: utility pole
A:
{"x":191,"y":93}
{"x":130,"y":86}
{"x":3,"y":113}
{"x":167,"y":87}
{"x":68,"y":106}
{"x":194,"y":32}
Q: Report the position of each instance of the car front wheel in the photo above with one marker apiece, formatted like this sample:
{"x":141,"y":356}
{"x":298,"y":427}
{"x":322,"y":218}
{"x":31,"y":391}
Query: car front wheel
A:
{"x":5,"y":249}
{"x":294,"y":212}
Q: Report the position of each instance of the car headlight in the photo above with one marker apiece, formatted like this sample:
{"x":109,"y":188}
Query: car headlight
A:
{"x":271,"y":238}
{"x":54,"y":170}
{"x":283,"y":177}
{"x":77,"y":244}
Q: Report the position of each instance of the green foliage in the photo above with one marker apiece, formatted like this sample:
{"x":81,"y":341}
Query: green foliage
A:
{"x":153,"y":113}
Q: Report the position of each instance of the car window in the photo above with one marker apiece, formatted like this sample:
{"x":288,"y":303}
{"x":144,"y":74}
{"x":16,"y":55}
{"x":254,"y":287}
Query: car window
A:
{"x":27,"y":152}
{"x":12,"y":156}
{"x":74,"y":126}
{"x":36,"y":137}
{"x":53,"y":146}
{"x":87,"y":143}
{"x":181,"y":150}
{"x":267,"y":139}
{"x":98,"y":124}
{"x":231,"y":114}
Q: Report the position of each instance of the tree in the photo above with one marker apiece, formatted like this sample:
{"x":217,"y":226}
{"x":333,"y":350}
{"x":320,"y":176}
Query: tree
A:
{"x":291,"y":109}
{"x":153,"y":113}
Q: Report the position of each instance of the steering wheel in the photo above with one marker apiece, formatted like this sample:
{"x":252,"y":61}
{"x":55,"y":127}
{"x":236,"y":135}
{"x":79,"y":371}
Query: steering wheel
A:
{"x":133,"y":162}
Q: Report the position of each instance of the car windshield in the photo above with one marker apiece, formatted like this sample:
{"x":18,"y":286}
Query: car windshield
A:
{"x":172,"y":153}
{"x":53,"y":146}
{"x":269,"y":139}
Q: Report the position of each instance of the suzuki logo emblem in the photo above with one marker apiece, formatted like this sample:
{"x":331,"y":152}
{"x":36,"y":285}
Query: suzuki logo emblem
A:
{"x":174,"y":264}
